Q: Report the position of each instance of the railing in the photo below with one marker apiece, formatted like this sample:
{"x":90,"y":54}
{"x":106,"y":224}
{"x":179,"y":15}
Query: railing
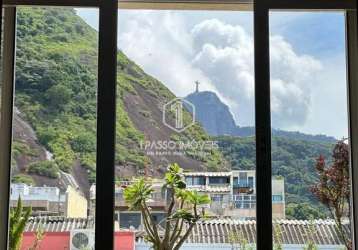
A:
{"x":244,"y":201}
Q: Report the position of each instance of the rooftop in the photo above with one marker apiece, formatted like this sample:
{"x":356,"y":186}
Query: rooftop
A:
{"x":322,"y":232}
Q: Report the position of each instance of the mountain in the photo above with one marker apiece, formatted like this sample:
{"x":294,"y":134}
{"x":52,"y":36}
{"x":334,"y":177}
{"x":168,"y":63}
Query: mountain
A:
{"x":216,"y":118}
{"x":212,"y":113}
{"x":56,"y":82}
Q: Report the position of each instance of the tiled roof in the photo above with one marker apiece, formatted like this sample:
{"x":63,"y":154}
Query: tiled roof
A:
{"x":58,"y":224}
{"x":322,"y":232}
{"x":207,"y":173}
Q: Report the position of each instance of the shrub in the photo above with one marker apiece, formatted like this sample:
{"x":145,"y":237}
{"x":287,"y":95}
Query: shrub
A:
{"x":84,"y":143}
{"x":21,"y":178}
{"x":45,"y":168}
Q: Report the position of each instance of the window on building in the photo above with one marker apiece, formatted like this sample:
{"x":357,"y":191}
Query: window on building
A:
{"x":243,"y":180}
{"x":276,"y":198}
{"x":129,"y":220}
{"x":217,"y":198}
{"x":219,"y":180}
{"x":251,"y":181}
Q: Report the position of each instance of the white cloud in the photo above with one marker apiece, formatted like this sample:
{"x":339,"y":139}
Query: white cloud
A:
{"x":221,"y":56}
{"x":225,"y":54}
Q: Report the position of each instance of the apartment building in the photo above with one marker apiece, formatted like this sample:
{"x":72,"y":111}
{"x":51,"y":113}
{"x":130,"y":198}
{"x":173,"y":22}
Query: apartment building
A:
{"x":49,"y":200}
{"x":233,"y":194}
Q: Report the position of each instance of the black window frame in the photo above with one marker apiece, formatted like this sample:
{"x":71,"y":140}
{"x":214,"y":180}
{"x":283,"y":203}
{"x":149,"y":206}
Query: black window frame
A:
{"x":263,"y":107}
{"x":107,"y":100}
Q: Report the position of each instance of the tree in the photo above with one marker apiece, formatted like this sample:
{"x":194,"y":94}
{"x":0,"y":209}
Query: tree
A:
{"x":182,"y":212}
{"x":303,"y":211}
{"x":333,"y":187}
{"x":18,"y":220}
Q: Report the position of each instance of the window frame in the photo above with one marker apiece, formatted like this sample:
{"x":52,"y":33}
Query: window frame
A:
{"x":263,"y":107}
{"x":108,"y":10}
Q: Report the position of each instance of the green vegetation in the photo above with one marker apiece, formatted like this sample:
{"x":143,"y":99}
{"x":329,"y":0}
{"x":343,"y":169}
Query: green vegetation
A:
{"x":21,"y":148}
{"x":56,"y":82}
{"x":21,"y":178}
{"x":303,"y":211}
{"x":292,"y":159}
{"x":18,"y":220}
{"x":45,"y":168}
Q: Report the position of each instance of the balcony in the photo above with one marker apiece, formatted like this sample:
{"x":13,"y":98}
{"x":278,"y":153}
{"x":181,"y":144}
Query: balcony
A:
{"x":158,"y":200}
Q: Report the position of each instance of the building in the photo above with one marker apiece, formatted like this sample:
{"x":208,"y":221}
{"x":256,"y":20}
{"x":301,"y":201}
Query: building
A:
{"x":233,"y":194}
{"x":49,"y":200}
{"x":133,"y":219}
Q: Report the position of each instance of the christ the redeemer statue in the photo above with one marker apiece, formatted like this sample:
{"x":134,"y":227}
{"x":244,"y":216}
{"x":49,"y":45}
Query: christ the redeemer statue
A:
{"x":197,"y":86}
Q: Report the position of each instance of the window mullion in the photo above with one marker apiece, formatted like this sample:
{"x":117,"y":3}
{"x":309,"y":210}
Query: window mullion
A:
{"x":106,"y":120}
{"x":263,"y":128}
{"x":7,"y":99}
{"x":352,"y":59}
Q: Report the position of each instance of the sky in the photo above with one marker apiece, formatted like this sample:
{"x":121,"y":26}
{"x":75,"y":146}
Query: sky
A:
{"x":307,"y":61}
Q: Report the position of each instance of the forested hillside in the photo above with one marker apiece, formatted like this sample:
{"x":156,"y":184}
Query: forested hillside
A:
{"x":56,"y":82}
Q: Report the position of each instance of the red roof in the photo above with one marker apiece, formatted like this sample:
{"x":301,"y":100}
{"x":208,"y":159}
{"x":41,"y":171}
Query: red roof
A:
{"x":61,"y":241}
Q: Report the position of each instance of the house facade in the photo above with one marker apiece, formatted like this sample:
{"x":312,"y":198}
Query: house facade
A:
{"x":49,"y":201}
{"x":233,"y":194}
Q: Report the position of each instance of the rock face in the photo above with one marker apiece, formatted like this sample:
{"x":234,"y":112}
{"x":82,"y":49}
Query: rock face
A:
{"x":217,"y":120}
{"x":214,"y":115}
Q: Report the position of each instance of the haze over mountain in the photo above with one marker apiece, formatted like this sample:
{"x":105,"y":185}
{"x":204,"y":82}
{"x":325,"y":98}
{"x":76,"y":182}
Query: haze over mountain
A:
{"x":217,"y":119}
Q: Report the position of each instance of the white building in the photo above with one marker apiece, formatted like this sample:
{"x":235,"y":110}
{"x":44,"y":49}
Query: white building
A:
{"x":233,"y":194}
{"x":49,"y":200}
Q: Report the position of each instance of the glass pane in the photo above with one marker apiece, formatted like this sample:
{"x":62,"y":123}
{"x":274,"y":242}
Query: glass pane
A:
{"x":54,"y":129}
{"x":310,"y":153}
{"x":186,"y":96}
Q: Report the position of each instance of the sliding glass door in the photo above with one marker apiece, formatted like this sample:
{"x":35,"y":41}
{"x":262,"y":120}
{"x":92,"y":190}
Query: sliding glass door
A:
{"x":254,"y":101}
{"x":311,"y":135}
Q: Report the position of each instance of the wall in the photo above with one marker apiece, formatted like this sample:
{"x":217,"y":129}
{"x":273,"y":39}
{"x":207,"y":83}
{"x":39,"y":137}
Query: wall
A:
{"x":58,"y":240}
{"x":61,"y":241}
{"x":76,"y":204}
